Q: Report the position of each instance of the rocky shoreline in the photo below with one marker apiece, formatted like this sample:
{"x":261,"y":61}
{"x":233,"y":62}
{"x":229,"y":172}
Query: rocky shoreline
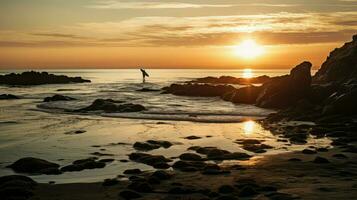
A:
{"x":327,"y":100}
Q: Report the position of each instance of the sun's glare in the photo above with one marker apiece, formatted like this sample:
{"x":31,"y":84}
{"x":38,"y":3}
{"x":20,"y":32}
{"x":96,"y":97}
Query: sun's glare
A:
{"x":249,"y":49}
{"x":248,"y":127}
{"x":247,"y":73}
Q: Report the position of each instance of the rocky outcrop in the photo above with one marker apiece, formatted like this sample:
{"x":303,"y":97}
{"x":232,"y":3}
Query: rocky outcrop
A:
{"x":8,"y":97}
{"x":34,"y":166}
{"x":246,"y":95}
{"x":58,"y":97}
{"x":340,"y":66}
{"x":285,"y":91}
{"x":232,"y":80}
{"x":198,"y":90}
{"x":38,"y":78}
{"x":110,"y":105}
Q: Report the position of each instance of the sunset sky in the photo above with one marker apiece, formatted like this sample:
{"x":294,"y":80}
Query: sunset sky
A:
{"x":171,"y":34}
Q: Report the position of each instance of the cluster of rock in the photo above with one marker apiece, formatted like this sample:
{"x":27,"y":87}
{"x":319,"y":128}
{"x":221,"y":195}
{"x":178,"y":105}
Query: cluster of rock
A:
{"x":333,"y":90}
{"x":38,"y":78}
{"x":8,"y":97}
{"x":58,"y":97}
{"x":110,"y":105}
{"x":277,"y":92}
{"x":30,"y":165}
{"x":232,"y":80}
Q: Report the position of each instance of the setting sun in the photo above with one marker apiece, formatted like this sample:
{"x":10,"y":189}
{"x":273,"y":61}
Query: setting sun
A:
{"x":249,"y":49}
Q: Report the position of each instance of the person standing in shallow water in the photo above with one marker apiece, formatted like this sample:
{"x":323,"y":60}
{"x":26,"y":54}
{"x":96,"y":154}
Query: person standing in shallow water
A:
{"x":144,"y":74}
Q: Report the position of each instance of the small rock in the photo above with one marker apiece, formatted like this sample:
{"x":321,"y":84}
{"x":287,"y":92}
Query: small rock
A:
{"x":321,"y":160}
{"x":33,"y":165}
{"x":190,"y":157}
{"x":308,"y":151}
{"x":132,"y":171}
{"x":192,"y":137}
{"x":162,"y":175}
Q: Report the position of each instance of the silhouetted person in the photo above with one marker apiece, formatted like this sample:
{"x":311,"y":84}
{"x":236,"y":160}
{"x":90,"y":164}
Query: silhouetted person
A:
{"x":144,"y":74}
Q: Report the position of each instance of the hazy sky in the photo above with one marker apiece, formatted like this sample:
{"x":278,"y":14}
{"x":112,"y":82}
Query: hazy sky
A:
{"x":171,"y":33}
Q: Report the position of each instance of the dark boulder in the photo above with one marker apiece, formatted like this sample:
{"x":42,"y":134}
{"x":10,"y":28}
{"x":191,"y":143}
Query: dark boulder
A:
{"x":151,"y":145}
{"x":157,"y":161}
{"x":285,"y":91}
{"x":58,"y":97}
{"x":190,"y":157}
{"x":16,"y":187}
{"x":8,"y":97}
{"x":38,"y":78}
{"x":109,"y":105}
{"x":79,"y":165}
{"x":246,"y":95}
{"x":34,"y":165}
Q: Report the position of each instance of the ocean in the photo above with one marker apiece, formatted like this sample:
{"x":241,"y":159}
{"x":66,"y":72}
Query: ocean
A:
{"x":31,"y":127}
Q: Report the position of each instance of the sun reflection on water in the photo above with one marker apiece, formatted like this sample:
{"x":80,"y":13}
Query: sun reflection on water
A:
{"x":249,"y":127}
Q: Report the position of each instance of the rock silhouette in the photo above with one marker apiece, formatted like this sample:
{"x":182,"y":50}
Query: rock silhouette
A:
{"x":38,"y":78}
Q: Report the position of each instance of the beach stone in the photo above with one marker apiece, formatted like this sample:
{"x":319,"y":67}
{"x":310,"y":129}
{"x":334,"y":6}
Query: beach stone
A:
{"x":225,"y":189}
{"x":79,"y":165}
{"x":151,"y":145}
{"x":162,"y":175}
{"x":190,"y":157}
{"x":295,"y":160}
{"x":308,"y":151}
{"x":110,"y":105}
{"x":321,"y":160}
{"x":132,"y":171}
{"x":192,"y":137}
{"x":142,"y":146}
{"x":188,"y":165}
{"x":322,"y":149}
{"x":58,"y":97}
{"x":214,"y":153}
{"x":33,"y":165}
{"x":8,"y":97}
{"x":161,"y":143}
{"x":161,"y":165}
{"x":128,"y":194}
{"x":256,"y":148}
{"x":152,"y":160}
